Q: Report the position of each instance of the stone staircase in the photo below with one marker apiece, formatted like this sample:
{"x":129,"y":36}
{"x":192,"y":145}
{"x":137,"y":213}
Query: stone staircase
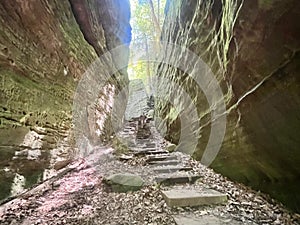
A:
{"x":161,"y":187}
{"x":176,"y":178}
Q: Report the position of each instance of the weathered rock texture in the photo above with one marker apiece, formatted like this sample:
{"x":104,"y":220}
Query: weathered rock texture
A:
{"x":45,"y":48}
{"x":253,"y":48}
{"x":137,"y":100}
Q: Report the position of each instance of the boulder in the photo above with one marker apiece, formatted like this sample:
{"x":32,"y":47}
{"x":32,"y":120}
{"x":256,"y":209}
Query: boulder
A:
{"x":124,"y":182}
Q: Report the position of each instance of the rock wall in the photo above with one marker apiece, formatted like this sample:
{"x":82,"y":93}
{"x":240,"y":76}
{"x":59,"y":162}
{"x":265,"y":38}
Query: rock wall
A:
{"x":45,"y":48}
{"x":252,"y":47}
{"x":137,"y":100}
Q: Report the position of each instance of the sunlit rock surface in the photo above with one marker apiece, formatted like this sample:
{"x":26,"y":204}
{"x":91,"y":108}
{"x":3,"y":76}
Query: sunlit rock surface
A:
{"x":137,"y":100}
{"x":252,"y":47}
{"x":46,"y":48}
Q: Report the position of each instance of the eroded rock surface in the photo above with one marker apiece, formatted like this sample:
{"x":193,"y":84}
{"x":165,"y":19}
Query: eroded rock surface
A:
{"x":46,"y":48}
{"x":252,"y":48}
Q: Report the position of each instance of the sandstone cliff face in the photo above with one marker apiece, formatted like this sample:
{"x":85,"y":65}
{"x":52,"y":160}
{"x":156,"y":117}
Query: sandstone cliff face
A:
{"x":45,"y":49}
{"x":253,"y":49}
{"x":46,"y":46}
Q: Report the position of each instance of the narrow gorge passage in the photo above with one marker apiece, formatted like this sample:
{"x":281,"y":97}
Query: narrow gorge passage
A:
{"x":201,"y":93}
{"x":141,"y":181}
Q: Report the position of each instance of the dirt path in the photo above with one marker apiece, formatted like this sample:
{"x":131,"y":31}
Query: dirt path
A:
{"x":78,"y":195}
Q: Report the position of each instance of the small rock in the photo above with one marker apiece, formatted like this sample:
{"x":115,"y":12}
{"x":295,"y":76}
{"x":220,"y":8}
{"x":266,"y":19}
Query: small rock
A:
{"x":171,"y":147}
{"x":61,"y":164}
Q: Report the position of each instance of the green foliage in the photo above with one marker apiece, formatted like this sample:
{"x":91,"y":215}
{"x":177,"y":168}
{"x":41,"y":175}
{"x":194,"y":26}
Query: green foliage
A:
{"x":138,"y":70}
{"x":142,"y":21}
{"x":145,"y":32}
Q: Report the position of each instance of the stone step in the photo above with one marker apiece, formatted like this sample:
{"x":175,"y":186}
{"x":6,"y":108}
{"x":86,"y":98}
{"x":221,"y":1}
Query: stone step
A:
{"x":146,"y":145}
{"x":176,"y":179}
{"x":171,"y":169}
{"x":143,"y":135}
{"x":165,"y":163}
{"x":140,"y":149}
{"x":161,"y":158}
{"x":124,"y":157}
{"x":192,"y":197}
{"x":157,"y":152}
{"x":151,"y":145}
{"x":204,"y":220}
{"x":132,"y":124}
{"x":129,"y":128}
{"x":150,"y":149}
{"x":128,"y":132}
{"x":146,"y":142}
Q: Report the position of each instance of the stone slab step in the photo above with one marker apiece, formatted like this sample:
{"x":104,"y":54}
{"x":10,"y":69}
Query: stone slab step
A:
{"x":165,"y":163}
{"x":141,"y":149}
{"x":171,"y":169}
{"x":145,"y":141}
{"x":127,"y":132}
{"x":192,"y":197}
{"x":157,"y":152}
{"x":150,"y":149}
{"x":176,"y":179}
{"x":129,"y":129}
{"x":151,"y":145}
{"x":204,"y":220}
{"x":147,"y":145}
{"x":161,"y":158}
{"x":124,"y":157}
